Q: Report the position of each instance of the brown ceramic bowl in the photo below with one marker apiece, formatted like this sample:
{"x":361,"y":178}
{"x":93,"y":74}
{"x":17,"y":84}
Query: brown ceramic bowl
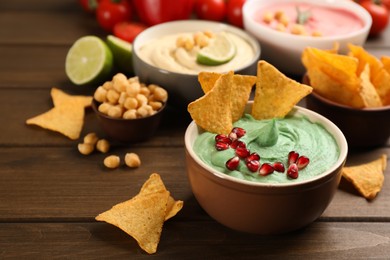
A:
{"x":259,"y":207}
{"x":367,"y":127}
{"x":129,"y":130}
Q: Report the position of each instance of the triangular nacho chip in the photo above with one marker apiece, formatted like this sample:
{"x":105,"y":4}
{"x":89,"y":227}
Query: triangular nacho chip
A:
{"x":63,"y":119}
{"x":367,"y":178}
{"x":61,"y":98}
{"x":275,"y":93}
{"x":212,"y":111}
{"x":155,"y":184}
{"x":367,"y":92}
{"x":142,"y":217}
{"x":241,"y":90}
{"x":379,"y":77}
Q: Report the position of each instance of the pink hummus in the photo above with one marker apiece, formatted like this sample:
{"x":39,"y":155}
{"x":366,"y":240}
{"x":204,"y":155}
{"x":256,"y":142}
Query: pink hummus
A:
{"x":323,"y":21}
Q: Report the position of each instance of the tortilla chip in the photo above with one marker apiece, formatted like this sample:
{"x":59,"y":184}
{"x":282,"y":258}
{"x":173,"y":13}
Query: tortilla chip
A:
{"x":155,"y":184}
{"x":275,"y":93}
{"x":59,"y":97}
{"x":212,"y":111}
{"x":67,"y":120}
{"x":367,"y":178}
{"x":340,"y":68}
{"x":67,"y":115}
{"x":386,"y":63}
{"x":207,"y":80}
{"x":379,"y":77}
{"x":142,"y":217}
{"x":368,"y":92}
{"x":333,"y":90}
{"x":241,"y":90}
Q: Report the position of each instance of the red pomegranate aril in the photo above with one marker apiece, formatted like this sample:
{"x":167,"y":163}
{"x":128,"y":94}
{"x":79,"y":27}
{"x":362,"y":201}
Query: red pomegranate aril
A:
{"x":233,"y":136}
{"x":233,"y":163}
{"x":242,"y":152}
{"x":292,"y":171}
{"x":266,"y":169}
{"x":253,"y":156}
{"x":253,"y":165}
{"x":278,"y":166}
{"x":220,"y":146}
{"x":302,"y":162}
{"x":240,"y":132}
{"x":223,"y":138}
{"x":292,"y":157}
{"x":237,"y":143}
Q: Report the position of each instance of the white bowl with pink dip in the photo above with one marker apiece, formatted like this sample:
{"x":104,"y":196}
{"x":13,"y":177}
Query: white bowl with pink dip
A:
{"x":282,"y":42}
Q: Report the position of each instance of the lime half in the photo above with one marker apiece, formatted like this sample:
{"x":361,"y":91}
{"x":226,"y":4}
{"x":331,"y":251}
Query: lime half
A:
{"x":89,"y":61}
{"x":122,"y":52}
{"x":219,"y":51}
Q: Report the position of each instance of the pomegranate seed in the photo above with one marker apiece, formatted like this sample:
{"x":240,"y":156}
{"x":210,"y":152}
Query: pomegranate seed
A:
{"x":242,"y":152}
{"x":266,"y":169}
{"x":220,"y":146}
{"x":253,"y":165}
{"x":237,"y":143}
{"x":223,"y":139}
{"x":240,"y":132}
{"x":302,"y":162}
{"x":292,"y":157}
{"x":253,"y":156}
{"x":232,"y":163}
{"x":292,"y":171}
{"x":233,"y":136}
{"x":278,"y":166}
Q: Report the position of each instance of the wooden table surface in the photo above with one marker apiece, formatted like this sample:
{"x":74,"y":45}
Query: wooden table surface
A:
{"x":50,"y":193}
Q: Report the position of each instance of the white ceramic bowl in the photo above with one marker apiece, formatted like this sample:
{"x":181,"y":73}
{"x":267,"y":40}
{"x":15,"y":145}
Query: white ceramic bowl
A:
{"x":284,"y":50}
{"x":264,"y":208}
{"x":184,"y":88}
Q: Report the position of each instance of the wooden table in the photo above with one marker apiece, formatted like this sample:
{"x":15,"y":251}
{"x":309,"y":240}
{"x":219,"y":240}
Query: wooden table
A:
{"x":50,"y":193}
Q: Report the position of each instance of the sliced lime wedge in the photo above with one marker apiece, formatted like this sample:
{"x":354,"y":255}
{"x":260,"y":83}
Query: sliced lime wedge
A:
{"x":122,"y":52}
{"x":89,"y":61}
{"x":219,"y":51}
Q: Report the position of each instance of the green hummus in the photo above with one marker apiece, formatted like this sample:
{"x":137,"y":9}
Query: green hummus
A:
{"x":273,"y":139}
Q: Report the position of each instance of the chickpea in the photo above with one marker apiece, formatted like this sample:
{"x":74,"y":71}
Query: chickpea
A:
{"x":160,"y":94}
{"x":143,"y":111}
{"x":268,"y":17}
{"x":103,"y":146}
{"x":144,"y":91}
{"x":100,"y":94}
{"x":107,"y":85}
{"x":298,"y":29}
{"x":133,"y":89}
{"x":91,"y":138}
{"x":209,"y":34}
{"x":316,"y":34}
{"x":201,"y":39}
{"x":115,"y":111}
{"x":130,"y":114}
{"x":278,"y":15}
{"x":142,"y":100}
{"x":85,"y":148}
{"x":112,"y":161}
{"x":188,"y":45}
{"x":112,"y":96}
{"x":130,"y":103}
{"x":104,"y":107}
{"x":132,"y":160}
{"x":120,"y":82}
{"x":281,"y":27}
{"x":156,"y":105}
{"x":284,"y":20}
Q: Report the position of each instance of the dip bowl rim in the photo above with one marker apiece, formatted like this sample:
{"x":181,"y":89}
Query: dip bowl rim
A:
{"x":186,"y":25}
{"x":250,"y":7}
{"x":316,"y":180}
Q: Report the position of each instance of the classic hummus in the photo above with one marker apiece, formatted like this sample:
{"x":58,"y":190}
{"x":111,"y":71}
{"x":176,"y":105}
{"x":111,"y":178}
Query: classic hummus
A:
{"x":315,"y":19}
{"x":273,"y":139}
{"x":164,"y":53}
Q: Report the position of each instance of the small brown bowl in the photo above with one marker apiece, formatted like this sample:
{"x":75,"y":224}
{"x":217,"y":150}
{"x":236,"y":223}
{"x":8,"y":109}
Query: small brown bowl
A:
{"x":263,"y":208}
{"x":367,"y":127}
{"x":129,"y":130}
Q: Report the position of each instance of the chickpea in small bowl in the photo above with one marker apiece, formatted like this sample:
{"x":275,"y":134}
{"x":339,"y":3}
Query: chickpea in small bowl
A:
{"x":128,"y":110}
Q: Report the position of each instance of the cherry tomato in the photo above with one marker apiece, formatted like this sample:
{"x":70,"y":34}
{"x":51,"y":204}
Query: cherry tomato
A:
{"x":210,"y":9}
{"x":154,"y":12}
{"x":234,"y":12}
{"x":89,"y":6}
{"x":379,"y":14}
{"x":386,"y":3}
{"x":128,"y":31}
{"x":111,"y":12}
